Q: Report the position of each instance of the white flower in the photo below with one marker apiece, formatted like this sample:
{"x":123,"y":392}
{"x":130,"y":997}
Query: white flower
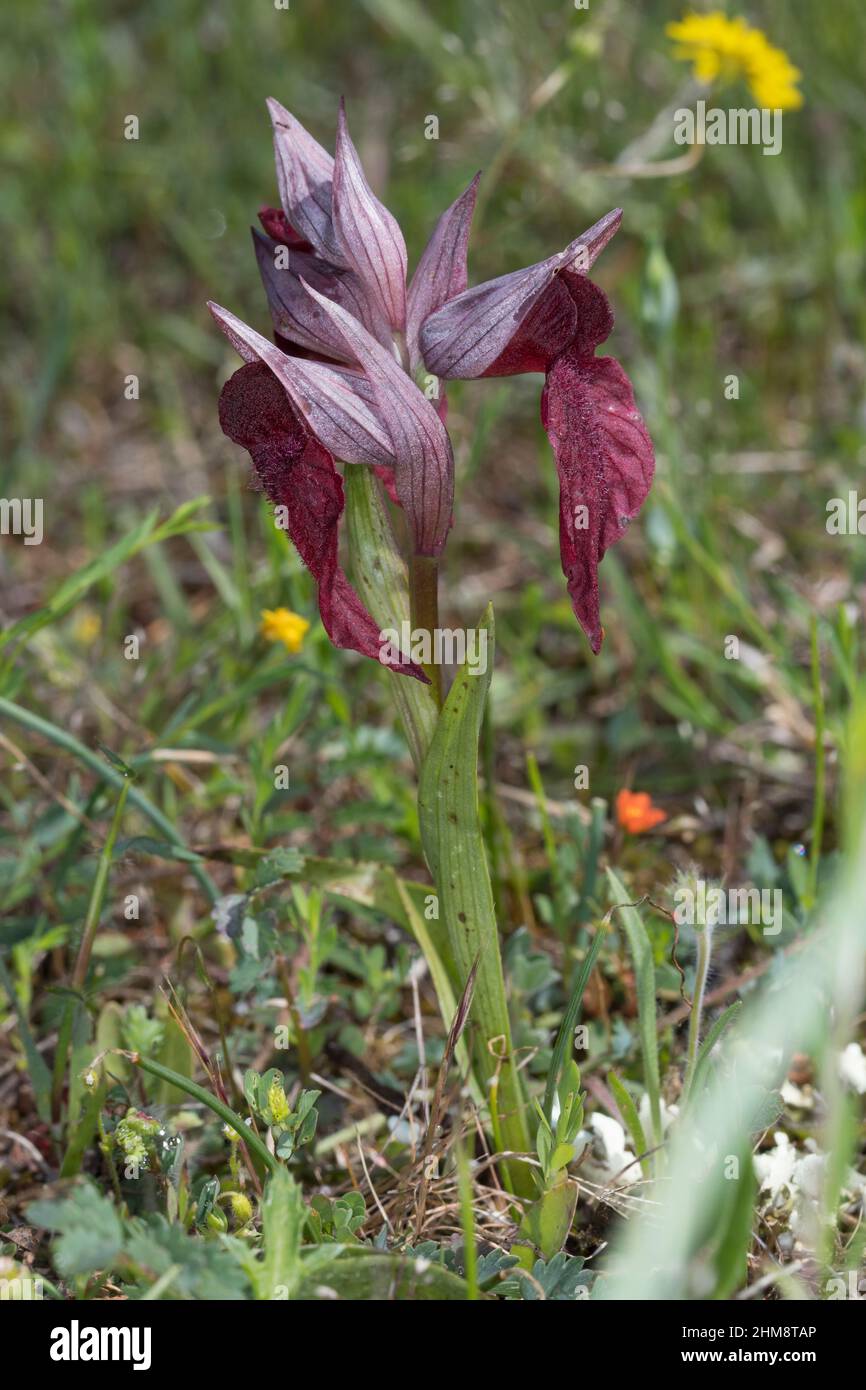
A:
{"x":852,"y":1067}
{"x":796,"y":1096}
{"x":669,"y":1114}
{"x":809,"y":1174}
{"x":775,"y":1169}
{"x":611,"y":1136}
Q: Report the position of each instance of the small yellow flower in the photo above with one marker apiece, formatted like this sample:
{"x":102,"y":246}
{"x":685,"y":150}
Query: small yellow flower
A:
{"x":87,"y":627}
{"x":241,"y":1209}
{"x":281,"y":625}
{"x":723,"y":49}
{"x":278,"y":1103}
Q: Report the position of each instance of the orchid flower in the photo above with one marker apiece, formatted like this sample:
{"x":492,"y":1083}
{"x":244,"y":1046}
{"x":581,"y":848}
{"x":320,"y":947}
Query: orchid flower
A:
{"x":339,"y":382}
{"x":551,"y":317}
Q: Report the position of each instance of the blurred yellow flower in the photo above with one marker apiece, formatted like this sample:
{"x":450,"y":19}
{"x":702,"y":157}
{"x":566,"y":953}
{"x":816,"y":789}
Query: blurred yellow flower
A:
{"x":723,"y":49}
{"x":282,"y":625}
{"x":87,"y":627}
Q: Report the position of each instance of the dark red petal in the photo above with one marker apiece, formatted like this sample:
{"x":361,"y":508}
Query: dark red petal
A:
{"x":593,"y":315}
{"x":278,"y":227}
{"x":332,"y":400}
{"x":547,"y":329}
{"x":605,"y":461}
{"x":469,"y":334}
{"x":298,"y":474}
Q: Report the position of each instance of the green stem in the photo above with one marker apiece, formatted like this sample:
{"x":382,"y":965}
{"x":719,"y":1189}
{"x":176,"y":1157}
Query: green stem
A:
{"x":467,"y":1221}
{"x":556,"y":878}
{"x":594,"y":842}
{"x":380,"y":576}
{"x":701,"y":972}
{"x":424,"y":576}
{"x":97,"y":896}
{"x":248,"y":1136}
{"x":302,"y":1041}
{"x":564,"y":1038}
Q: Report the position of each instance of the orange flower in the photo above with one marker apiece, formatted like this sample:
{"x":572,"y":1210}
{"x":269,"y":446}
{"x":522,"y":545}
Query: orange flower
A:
{"x":636,"y":813}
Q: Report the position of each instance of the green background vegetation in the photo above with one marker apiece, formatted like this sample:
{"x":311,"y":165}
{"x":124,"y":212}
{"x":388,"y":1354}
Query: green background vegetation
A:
{"x":741,"y":265}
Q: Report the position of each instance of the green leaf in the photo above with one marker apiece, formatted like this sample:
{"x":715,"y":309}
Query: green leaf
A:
{"x":362,"y":1274}
{"x":251,"y":1088}
{"x":283,"y":1216}
{"x":547,"y":1222}
{"x":562,"y":1279}
{"x":210,"y":1190}
{"x":628,"y":1110}
{"x":160,"y":849}
{"x":277,"y":864}
{"x":567,"y":1026}
{"x":40,"y":1076}
{"x":736,"y":1227}
{"x":176,"y":1054}
{"x":90,"y":1235}
{"x":116,"y":762}
{"x":82,"y":1130}
{"x":441,"y":980}
{"x":561,"y":1156}
{"x":453,"y":843}
{"x":194,"y":1268}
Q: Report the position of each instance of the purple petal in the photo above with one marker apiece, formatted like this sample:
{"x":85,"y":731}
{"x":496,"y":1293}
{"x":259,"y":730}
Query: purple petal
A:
{"x":298,"y":474}
{"x":305,"y":174}
{"x":422,"y":457}
{"x":369,"y":237}
{"x":294,"y":314}
{"x":468,"y":334}
{"x":333,"y":403}
{"x":441,"y":272}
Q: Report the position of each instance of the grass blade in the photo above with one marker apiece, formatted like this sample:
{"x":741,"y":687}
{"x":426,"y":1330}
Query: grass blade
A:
{"x":628,"y":1110}
{"x":641,"y":951}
